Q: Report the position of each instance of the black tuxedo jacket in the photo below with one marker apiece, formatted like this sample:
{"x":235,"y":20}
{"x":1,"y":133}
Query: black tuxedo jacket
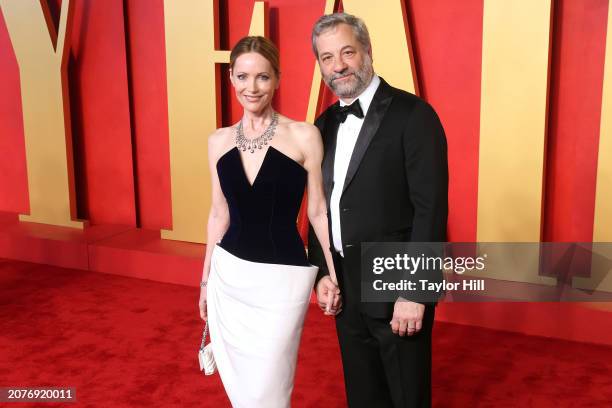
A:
{"x":396,"y":186}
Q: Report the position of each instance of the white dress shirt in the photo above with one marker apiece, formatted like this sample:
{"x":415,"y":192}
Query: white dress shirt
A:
{"x":345,"y":143}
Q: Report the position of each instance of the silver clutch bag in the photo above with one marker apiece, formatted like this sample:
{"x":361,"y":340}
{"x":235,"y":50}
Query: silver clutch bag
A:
{"x":205,"y":355}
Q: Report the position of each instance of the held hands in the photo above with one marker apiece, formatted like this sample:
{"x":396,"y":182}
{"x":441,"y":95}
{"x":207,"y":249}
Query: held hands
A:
{"x":407,"y":317}
{"x":328,"y":296}
{"x":202,"y":304}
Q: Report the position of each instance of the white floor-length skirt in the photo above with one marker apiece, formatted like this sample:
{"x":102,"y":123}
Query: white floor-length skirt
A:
{"x":255,"y":316}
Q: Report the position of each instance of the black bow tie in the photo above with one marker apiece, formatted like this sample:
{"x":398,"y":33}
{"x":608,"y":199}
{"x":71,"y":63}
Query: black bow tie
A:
{"x":353,"y":109}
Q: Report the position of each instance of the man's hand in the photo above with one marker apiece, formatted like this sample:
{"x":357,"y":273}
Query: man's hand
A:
{"x":328,"y":296}
{"x":407,"y":317}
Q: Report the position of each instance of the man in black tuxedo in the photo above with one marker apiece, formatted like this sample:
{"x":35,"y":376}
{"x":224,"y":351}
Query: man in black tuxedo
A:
{"x":386,"y":180}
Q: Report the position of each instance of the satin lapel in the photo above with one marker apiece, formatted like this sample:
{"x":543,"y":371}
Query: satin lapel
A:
{"x":330,"y":134}
{"x":376,"y":112}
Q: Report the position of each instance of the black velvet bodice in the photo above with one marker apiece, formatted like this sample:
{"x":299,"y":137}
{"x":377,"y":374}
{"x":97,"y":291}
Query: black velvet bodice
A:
{"x":263,"y":215}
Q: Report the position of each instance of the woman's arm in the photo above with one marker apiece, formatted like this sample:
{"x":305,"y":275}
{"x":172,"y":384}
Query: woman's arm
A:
{"x":328,"y":294}
{"x":317,"y":207}
{"x":218,"y":217}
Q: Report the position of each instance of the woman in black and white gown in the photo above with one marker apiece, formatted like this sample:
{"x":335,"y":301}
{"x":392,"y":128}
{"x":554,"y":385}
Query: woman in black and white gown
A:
{"x":256,"y":281}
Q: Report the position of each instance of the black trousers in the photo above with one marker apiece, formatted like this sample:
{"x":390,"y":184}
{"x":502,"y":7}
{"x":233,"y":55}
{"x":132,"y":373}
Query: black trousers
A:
{"x":382,"y":369}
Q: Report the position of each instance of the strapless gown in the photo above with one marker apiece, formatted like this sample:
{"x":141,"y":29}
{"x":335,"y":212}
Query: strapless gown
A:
{"x":260,"y":281}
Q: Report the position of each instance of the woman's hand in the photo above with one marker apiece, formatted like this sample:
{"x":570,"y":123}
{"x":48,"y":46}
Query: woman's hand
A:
{"x":202,"y":304}
{"x":328,"y":296}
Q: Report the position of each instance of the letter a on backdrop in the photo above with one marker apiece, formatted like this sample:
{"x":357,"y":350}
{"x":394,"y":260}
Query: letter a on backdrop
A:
{"x":391,"y":45}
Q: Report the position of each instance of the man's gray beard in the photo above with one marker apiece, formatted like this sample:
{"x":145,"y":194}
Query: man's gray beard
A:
{"x":363,"y":76}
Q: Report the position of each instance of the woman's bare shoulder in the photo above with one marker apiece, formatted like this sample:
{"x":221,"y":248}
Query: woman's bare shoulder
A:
{"x":299,"y":130}
{"x":220,"y":135}
{"x":305,"y":133}
{"x":220,"y":140}
{"x":307,"y":139}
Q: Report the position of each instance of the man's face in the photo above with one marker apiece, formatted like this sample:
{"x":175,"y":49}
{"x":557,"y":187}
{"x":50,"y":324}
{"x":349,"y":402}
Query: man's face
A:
{"x":345,"y":65}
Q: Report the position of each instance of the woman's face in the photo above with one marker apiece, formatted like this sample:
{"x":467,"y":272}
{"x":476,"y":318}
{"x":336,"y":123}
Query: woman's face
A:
{"x":254,"y":81}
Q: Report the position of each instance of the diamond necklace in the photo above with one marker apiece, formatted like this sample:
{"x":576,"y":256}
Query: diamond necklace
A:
{"x":256,"y":143}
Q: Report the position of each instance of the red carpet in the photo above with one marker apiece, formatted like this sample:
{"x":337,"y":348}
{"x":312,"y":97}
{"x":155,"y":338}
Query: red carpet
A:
{"x":125,"y":342}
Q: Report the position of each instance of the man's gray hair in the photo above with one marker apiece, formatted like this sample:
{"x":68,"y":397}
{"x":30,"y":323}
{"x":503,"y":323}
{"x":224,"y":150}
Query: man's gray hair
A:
{"x":330,"y":21}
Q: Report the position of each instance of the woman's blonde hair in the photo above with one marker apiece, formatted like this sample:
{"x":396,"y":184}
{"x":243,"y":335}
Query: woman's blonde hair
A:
{"x":260,"y":45}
